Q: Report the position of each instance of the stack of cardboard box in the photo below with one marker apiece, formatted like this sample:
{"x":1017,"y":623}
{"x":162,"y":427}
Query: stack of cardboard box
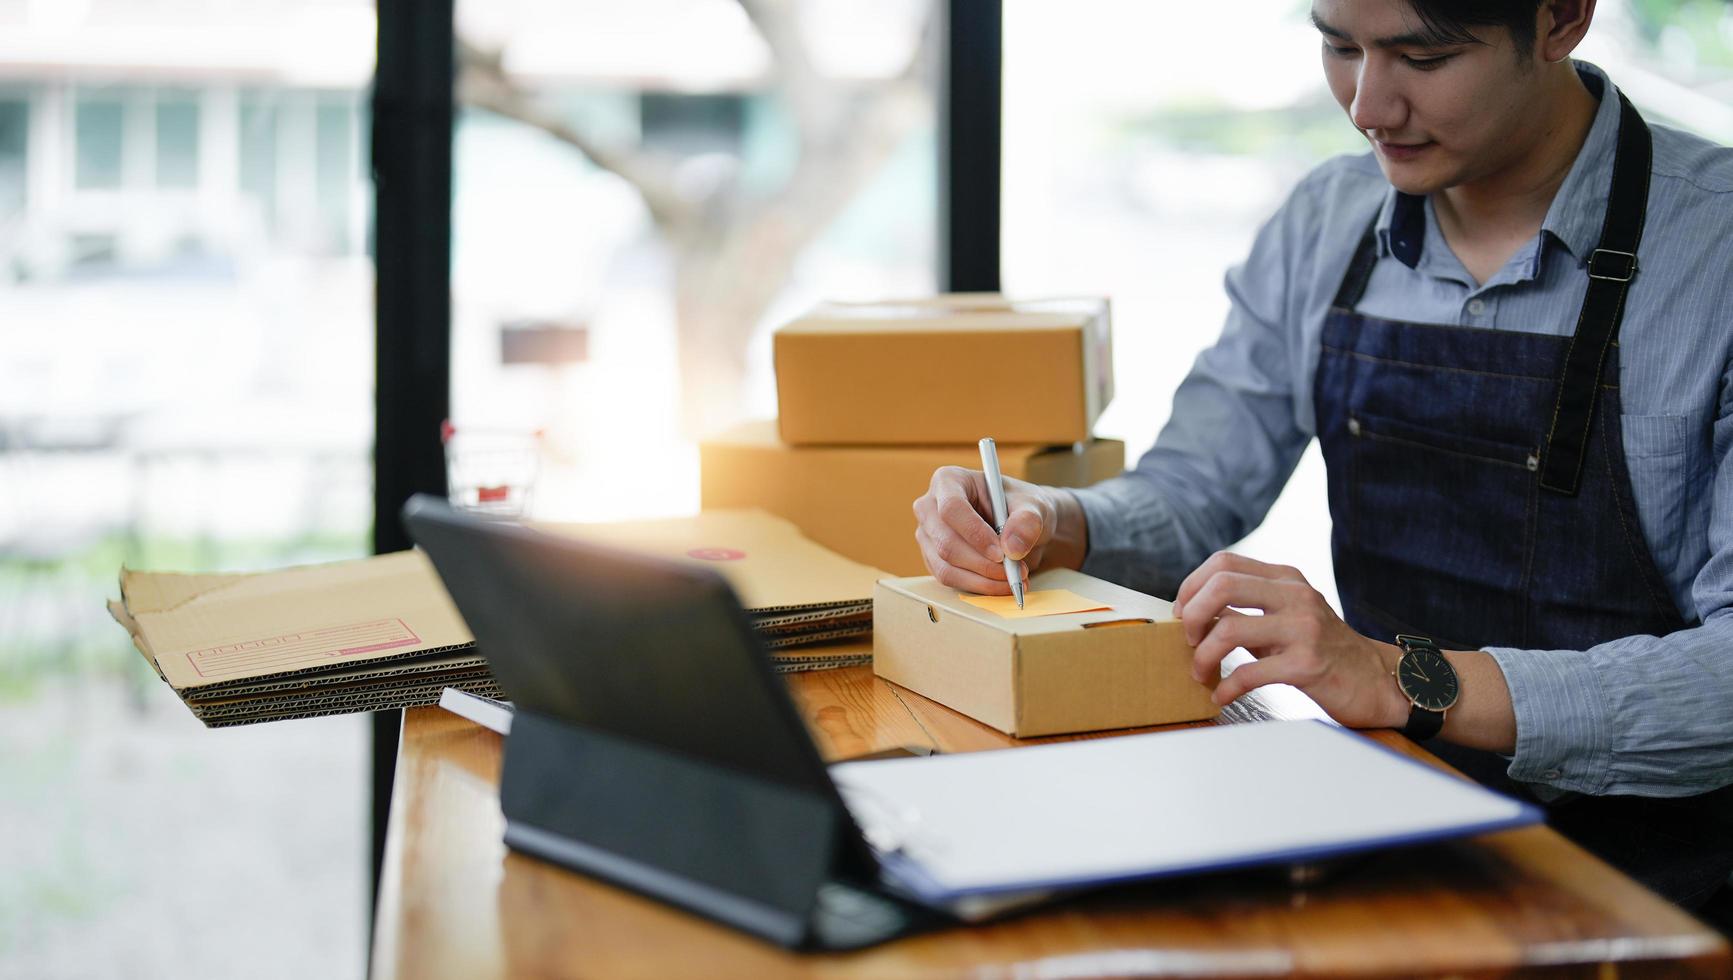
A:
{"x":875,"y":396}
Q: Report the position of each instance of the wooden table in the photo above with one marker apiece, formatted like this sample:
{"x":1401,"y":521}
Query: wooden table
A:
{"x":455,"y":903}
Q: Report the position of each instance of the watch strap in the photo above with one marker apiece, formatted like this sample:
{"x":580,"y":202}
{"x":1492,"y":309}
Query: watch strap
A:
{"x":1423,"y":723}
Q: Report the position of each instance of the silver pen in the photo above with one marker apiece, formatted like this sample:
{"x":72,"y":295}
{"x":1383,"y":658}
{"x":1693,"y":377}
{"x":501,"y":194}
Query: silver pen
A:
{"x":996,"y":491}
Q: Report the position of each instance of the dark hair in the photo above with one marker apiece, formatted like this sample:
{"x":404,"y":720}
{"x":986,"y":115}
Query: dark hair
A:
{"x":1448,"y":21}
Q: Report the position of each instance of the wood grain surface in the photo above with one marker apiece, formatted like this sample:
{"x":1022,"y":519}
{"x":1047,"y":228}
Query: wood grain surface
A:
{"x":455,"y":903}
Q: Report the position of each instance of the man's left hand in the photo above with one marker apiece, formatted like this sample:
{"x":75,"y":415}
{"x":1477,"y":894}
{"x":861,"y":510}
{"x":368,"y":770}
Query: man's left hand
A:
{"x":1299,"y":640}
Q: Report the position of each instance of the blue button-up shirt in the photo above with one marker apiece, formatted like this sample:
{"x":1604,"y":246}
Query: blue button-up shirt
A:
{"x":1639,"y":715}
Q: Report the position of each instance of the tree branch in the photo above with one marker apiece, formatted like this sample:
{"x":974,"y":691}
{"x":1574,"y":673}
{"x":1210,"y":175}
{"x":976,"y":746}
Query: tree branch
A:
{"x":791,"y":71}
{"x":484,"y":84}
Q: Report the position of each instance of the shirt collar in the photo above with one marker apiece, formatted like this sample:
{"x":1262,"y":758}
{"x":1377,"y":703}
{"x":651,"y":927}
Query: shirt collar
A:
{"x":1577,"y":211}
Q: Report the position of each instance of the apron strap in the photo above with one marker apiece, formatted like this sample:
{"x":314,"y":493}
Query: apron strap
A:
{"x":1359,"y":269}
{"x":1611,"y":267}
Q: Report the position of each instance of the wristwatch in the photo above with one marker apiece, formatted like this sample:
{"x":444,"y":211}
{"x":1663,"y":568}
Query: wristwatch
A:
{"x":1428,"y":682}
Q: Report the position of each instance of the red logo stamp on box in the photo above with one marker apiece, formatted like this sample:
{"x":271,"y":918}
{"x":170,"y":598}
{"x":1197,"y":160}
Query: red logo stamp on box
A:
{"x":292,"y":650}
{"x":716,"y":554}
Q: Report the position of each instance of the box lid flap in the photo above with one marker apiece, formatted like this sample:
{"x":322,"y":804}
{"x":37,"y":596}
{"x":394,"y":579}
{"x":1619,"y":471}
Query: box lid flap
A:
{"x":1125,"y":603}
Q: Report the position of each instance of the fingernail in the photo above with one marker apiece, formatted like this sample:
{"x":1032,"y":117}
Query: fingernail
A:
{"x":994,"y":554}
{"x":1177,"y":610}
{"x":1016,"y":545}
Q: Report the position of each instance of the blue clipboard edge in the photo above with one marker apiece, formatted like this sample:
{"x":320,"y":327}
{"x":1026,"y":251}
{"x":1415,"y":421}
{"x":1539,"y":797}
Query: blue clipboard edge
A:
{"x":909,"y":874}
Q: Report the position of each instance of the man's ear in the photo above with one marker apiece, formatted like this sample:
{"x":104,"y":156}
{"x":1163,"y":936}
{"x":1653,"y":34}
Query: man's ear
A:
{"x":1560,"y":26}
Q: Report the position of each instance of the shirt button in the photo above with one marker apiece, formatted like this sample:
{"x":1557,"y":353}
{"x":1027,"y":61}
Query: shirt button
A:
{"x":1550,"y":774}
{"x":1476,"y":307}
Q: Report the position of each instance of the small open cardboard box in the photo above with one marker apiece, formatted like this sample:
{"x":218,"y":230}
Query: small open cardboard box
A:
{"x":1122,"y":667}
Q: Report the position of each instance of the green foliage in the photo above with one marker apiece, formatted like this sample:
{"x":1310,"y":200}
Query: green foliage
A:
{"x":1311,"y":131}
{"x":1708,"y":24}
{"x":53,"y":623}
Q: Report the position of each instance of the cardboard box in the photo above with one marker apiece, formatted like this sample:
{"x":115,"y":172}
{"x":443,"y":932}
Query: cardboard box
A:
{"x":948,"y":369}
{"x":1117,"y":668}
{"x":856,"y":500}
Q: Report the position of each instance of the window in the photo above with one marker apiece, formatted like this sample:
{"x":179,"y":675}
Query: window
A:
{"x":337,"y":169}
{"x":692,"y":123}
{"x":100,"y":128}
{"x":182,"y":388}
{"x":258,"y":152}
{"x":14,"y":146}
{"x":177,"y":140}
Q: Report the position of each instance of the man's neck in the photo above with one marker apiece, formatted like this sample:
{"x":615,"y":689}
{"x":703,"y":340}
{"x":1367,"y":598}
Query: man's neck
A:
{"x":1499,"y":212}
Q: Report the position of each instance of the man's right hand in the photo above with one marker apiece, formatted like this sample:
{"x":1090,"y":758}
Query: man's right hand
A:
{"x":1044,"y":527}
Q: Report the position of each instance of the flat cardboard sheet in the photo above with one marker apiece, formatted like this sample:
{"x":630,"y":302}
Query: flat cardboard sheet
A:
{"x":215,"y":630}
{"x":768,"y":562}
{"x":1038,"y":602}
{"x":381,"y":632}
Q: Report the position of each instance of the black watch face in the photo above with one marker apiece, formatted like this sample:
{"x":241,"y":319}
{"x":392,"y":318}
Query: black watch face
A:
{"x":1428,"y":679}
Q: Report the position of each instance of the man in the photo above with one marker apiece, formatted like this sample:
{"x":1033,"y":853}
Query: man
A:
{"x":1507,"y":325}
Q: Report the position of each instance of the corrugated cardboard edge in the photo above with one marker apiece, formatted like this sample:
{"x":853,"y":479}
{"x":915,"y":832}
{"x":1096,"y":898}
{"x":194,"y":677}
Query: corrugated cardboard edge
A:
{"x":348,"y":694}
{"x":487,"y":688}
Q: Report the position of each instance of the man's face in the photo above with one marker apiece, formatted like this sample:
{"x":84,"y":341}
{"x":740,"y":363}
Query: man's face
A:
{"x":1436,"y":116}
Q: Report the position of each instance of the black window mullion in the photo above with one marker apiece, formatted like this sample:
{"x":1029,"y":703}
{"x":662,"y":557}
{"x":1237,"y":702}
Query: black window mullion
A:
{"x":412,"y":112}
{"x":970,"y":93}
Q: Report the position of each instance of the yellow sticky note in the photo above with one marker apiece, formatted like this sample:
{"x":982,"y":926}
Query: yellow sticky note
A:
{"x":1046,"y":602}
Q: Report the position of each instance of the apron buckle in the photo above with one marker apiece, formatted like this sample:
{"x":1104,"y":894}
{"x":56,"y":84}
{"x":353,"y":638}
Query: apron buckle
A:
{"x":1617,"y":267}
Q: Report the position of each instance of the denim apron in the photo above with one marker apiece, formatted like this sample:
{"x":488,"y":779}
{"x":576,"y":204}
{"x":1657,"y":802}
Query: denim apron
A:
{"x":1479,"y":495}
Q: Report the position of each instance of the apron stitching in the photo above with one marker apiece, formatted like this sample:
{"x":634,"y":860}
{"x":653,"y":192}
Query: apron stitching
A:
{"x":1440,"y":449}
{"x":1461,"y":327}
{"x":1435,"y":367}
{"x":1600,"y":371}
{"x":1531,"y":536}
{"x":1354,"y":467}
{"x":1553,"y":425}
{"x":1640,"y":556}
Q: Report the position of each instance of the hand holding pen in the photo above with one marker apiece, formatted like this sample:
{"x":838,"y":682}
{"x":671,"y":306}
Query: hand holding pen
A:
{"x":1044,"y":528}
